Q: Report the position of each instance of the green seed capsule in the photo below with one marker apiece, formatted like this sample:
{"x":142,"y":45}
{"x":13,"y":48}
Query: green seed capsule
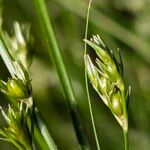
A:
{"x":116,"y":106}
{"x":16,"y":89}
{"x":104,"y":85}
{"x":91,"y":71}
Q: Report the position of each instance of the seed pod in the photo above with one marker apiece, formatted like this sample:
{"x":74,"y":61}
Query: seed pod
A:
{"x":104,"y":85}
{"x":16,"y":89}
{"x":91,"y":71}
{"x":116,"y":106}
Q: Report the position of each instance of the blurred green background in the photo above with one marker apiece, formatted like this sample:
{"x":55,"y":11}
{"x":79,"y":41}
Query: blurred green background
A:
{"x":121,"y":23}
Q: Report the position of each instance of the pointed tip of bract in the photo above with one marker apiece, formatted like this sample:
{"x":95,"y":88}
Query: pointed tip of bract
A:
{"x":2,"y":85}
{"x":4,"y":115}
{"x":91,"y":71}
{"x":98,"y":40}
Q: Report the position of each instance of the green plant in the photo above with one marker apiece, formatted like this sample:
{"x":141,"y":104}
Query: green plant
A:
{"x":105,"y":74}
{"x":17,"y":132}
{"x":106,"y":77}
{"x":21,"y":121}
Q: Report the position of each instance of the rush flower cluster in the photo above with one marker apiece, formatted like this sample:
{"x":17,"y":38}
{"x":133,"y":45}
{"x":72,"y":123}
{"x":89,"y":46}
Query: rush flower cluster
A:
{"x":105,"y":75}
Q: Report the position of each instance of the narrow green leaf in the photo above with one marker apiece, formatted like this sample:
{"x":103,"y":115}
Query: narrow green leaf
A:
{"x":44,"y":131}
{"x":7,"y":59}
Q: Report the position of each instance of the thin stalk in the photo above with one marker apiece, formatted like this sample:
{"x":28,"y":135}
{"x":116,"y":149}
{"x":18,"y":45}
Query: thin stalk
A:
{"x":55,"y":55}
{"x":126,"y":140}
{"x":86,"y":81}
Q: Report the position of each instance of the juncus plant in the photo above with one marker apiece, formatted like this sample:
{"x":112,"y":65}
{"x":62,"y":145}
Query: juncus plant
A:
{"x":22,"y":119}
{"x":18,"y":88}
{"x":106,"y":77}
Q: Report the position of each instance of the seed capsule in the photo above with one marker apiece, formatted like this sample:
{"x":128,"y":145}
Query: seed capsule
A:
{"x":104,"y":85}
{"x":91,"y":71}
{"x":16,"y":89}
{"x":116,"y":106}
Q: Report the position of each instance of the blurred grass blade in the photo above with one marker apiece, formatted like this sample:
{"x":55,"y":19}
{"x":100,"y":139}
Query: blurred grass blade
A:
{"x":44,"y":131}
{"x":55,"y":55}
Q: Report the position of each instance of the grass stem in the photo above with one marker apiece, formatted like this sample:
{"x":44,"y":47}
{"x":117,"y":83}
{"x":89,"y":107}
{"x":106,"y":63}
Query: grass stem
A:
{"x":86,"y":81}
{"x":55,"y":55}
{"x":126,"y":140}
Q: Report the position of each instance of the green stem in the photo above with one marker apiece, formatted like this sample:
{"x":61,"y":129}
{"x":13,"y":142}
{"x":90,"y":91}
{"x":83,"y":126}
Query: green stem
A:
{"x":55,"y":54}
{"x":126,"y":140}
{"x":91,"y":114}
{"x":86,"y":81}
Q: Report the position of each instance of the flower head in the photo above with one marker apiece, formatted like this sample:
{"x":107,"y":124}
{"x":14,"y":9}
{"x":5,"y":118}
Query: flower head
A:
{"x":15,"y":88}
{"x":21,"y":43}
{"x":17,"y":131}
{"x":106,"y":77}
{"x":19,"y":85}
